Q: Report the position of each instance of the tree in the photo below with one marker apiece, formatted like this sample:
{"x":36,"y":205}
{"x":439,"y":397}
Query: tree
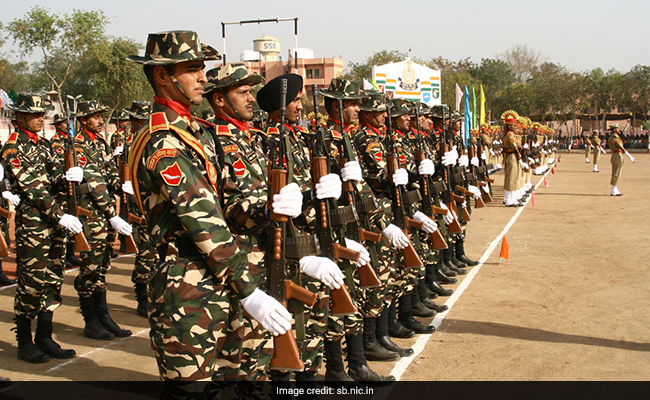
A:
{"x":359,"y":71}
{"x":495,"y":75}
{"x":637,"y":82}
{"x":62,"y":39}
{"x":522,"y":60}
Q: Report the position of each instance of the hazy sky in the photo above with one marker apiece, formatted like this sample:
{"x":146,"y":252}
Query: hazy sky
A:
{"x":580,"y":35}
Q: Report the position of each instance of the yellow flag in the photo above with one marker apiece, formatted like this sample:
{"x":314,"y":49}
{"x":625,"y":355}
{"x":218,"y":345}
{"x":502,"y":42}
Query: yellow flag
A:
{"x":482,"y":111}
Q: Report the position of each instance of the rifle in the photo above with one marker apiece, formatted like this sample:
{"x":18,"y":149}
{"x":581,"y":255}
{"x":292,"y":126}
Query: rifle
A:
{"x":447,"y":194}
{"x":125,"y":213}
{"x":80,"y":242}
{"x":411,"y":258}
{"x":286,"y":355}
{"x":367,"y":275}
{"x":436,"y":238}
{"x":473,"y":178}
{"x":327,"y":234}
{"x":482,"y":174}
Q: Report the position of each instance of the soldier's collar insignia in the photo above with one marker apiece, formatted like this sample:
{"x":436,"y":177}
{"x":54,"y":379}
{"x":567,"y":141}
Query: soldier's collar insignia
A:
{"x":158,"y":121}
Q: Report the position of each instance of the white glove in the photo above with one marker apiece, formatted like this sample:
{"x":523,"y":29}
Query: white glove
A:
{"x":492,"y":152}
{"x":449,"y":158}
{"x":486,"y":189}
{"x":13,"y":198}
{"x":289,"y":201}
{"x":522,"y":164}
{"x":463,"y":160}
{"x":121,"y":226}
{"x":2,"y":172}
{"x":329,"y":187}
{"x":71,"y":223}
{"x":464,"y":204}
{"x":426,"y":167}
{"x":364,"y":257}
{"x":351,"y":171}
{"x":268,"y":312}
{"x":629,"y":156}
{"x":118,"y":151}
{"x":475,"y":191}
{"x":127,"y":187}
{"x":396,"y":237}
{"x":484,"y":155}
{"x":400,"y":177}
{"x":474,"y":161}
{"x":525,"y":146}
{"x":74,"y":174}
{"x":429,"y":225}
{"x":455,"y":152}
{"x":323,"y":269}
{"x":449,"y":217}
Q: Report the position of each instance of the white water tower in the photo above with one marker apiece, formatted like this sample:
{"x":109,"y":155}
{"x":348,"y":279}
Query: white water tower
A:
{"x":268,"y":47}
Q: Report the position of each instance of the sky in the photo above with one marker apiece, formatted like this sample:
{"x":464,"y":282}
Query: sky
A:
{"x":580,"y":35}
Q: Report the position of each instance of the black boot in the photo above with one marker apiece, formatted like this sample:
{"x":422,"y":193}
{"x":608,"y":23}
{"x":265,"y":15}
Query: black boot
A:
{"x":460,"y":254}
{"x":423,"y":291}
{"x":105,"y":318}
{"x":93,"y":328}
{"x":141,"y":297}
{"x":449,"y":263}
{"x":417,"y":308}
{"x":395,"y":328}
{"x":384,"y":339}
{"x":70,"y":257}
{"x":27,"y":351}
{"x":358,"y":368}
{"x":432,"y":284}
{"x":122,"y":244}
{"x":372,"y":349}
{"x":443,"y":264}
{"x":43,"y":338}
{"x":4,"y":280}
{"x":406,"y":317}
{"x":441,"y":277}
{"x":335,"y":370}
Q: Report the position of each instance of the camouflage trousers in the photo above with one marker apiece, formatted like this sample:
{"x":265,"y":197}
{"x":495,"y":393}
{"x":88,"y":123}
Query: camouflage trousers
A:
{"x":188,"y":314}
{"x":340,"y":325}
{"x":96,"y":262}
{"x":375,"y":300}
{"x":40,"y":279}
{"x":145,"y":259}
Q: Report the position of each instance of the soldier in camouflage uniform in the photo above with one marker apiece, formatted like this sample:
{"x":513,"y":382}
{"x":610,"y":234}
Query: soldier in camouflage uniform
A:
{"x":351,"y":327}
{"x":121,"y":121}
{"x":35,"y":176}
{"x":202,"y":271}
{"x":94,"y":155}
{"x":4,"y":203}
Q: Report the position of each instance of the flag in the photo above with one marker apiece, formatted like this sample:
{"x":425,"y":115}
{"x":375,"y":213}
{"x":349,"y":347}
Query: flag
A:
{"x":468,"y":121}
{"x":5,"y":100}
{"x":474,"y":125}
{"x":559,"y":158}
{"x":482,"y":110}
{"x":545,"y":181}
{"x":532,"y":197}
{"x":459,"y":96}
{"x":370,"y":84}
{"x":505,"y":251}
{"x":552,"y":170}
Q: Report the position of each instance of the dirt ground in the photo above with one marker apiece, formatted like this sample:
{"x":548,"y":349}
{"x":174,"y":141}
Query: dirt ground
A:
{"x":572,"y":303}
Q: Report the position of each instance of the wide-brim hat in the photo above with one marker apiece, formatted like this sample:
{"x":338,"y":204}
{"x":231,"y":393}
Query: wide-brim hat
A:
{"x":173,"y":47}
{"x":421,"y":108}
{"x":343,"y":89}
{"x":456,"y":116}
{"x":30,"y":104}
{"x":122,"y":115}
{"x":374,"y":101}
{"x":90,"y":107}
{"x":59,"y":118}
{"x":436,"y":111}
{"x":398,"y":107}
{"x":139,"y":109}
{"x":269,"y":97}
{"x":230,"y":75}
{"x":259,"y":115}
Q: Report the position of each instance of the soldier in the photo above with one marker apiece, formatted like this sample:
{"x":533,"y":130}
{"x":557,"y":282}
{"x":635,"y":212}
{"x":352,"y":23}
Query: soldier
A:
{"x":121,"y":120}
{"x":174,"y":168}
{"x":616,"y":145}
{"x":94,"y":155}
{"x":595,"y":142}
{"x":588,"y":147}
{"x":35,"y":175}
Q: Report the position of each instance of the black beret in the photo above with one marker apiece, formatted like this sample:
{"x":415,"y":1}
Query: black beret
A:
{"x":268,"y":97}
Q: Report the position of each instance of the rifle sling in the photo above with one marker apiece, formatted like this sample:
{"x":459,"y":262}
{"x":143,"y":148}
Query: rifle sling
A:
{"x":5,"y":185}
{"x":438,"y":187}
{"x":343,"y":215}
{"x":412,"y":197}
{"x":301,"y":246}
{"x":367,"y":205}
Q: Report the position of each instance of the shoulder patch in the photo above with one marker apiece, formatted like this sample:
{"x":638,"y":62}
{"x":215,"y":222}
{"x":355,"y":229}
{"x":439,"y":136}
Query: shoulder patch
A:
{"x":59,"y":150}
{"x":158,"y":122}
{"x":9,"y":152}
{"x":302,"y":129}
{"x":172,"y":175}
{"x":12,"y":138}
{"x":15,"y":162}
{"x":371,"y":146}
{"x":223,"y":130}
{"x":155,"y":157}
{"x":273,"y":131}
{"x":231,"y":148}
{"x":239,"y":167}
{"x":82,"y":161}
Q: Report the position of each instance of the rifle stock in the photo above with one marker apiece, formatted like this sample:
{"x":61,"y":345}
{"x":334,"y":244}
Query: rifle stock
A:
{"x":366,"y":235}
{"x":80,"y":241}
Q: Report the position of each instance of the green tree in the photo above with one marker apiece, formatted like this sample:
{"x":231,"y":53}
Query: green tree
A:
{"x":637,"y":93}
{"x":358,"y":71}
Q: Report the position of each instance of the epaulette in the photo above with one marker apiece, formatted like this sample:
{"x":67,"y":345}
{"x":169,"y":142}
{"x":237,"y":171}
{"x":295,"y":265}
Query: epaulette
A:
{"x":223,"y":130}
{"x":79,"y":138}
{"x":158,"y":122}
{"x":256,"y":131}
{"x":302,"y":129}
{"x":273,"y":131}
{"x":204,"y":123}
{"x":13,"y":138}
{"x":336,"y":134}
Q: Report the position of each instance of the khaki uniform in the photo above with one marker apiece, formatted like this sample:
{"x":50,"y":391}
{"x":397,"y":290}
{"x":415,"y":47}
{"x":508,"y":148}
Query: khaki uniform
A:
{"x":595,"y":141}
{"x":616,"y":145}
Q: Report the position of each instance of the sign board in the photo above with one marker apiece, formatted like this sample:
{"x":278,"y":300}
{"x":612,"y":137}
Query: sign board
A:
{"x":409,"y":80}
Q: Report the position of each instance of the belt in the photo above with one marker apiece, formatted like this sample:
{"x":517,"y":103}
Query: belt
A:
{"x":617,"y":151}
{"x":84,"y":188}
{"x":5,"y":185}
{"x":301,"y":246}
{"x":510,"y":151}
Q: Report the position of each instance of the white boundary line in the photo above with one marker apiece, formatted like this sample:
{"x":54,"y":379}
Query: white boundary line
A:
{"x":401,"y":366}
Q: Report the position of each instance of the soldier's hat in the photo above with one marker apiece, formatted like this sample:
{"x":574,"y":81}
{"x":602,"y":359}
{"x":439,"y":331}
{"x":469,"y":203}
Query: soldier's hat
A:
{"x":173,"y":47}
{"x":536,"y":126}
{"x":268,"y":97}
{"x":11,"y":115}
{"x":456,"y":116}
{"x":60,"y":117}
{"x":259,"y":115}
{"x":139,"y":109}
{"x":436,"y":111}
{"x":343,"y":89}
{"x":509,"y":117}
{"x":85,"y":108}
{"x":230,"y":75}
{"x":398,"y":107}
{"x":122,"y":115}
{"x":614,"y":125}
{"x":30,"y":103}
{"x":422,"y":108}
{"x":374,"y":101}
{"x":207,"y":115}
{"x":485,"y":127}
